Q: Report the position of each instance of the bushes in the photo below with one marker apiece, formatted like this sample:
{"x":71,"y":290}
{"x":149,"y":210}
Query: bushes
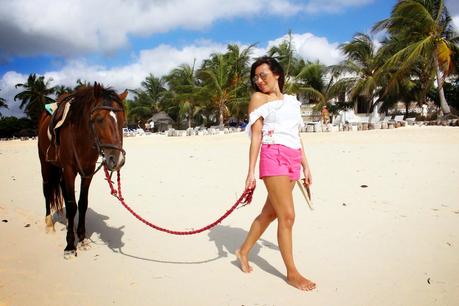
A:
{"x":16,"y":127}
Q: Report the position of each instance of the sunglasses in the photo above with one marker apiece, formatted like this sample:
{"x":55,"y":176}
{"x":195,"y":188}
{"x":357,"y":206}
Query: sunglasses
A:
{"x":262,"y":75}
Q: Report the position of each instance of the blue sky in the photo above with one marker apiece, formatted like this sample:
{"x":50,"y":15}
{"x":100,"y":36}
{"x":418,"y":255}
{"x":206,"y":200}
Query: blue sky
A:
{"x":120,"y":42}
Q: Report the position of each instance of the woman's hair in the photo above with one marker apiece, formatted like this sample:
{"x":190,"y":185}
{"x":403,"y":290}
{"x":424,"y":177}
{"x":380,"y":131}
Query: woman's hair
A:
{"x":273,"y":65}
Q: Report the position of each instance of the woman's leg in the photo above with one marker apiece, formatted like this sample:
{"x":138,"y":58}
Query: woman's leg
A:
{"x":259,"y":225}
{"x":280,"y":196}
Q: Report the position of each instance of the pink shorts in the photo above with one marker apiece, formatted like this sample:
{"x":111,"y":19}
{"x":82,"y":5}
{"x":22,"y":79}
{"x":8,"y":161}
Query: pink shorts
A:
{"x":276,"y":160}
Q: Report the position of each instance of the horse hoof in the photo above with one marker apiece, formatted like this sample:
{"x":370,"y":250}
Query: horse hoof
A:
{"x":84,"y":244}
{"x":49,"y":224}
{"x":70,"y":254}
{"x":50,"y":229}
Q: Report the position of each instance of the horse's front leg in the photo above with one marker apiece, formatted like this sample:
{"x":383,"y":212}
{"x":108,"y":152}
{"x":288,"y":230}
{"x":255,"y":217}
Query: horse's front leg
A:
{"x":83,"y":243}
{"x":68,"y":188}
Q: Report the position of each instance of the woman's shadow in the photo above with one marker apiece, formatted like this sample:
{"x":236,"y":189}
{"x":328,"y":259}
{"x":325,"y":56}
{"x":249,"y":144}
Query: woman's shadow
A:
{"x":227,"y":239}
{"x":230,"y":238}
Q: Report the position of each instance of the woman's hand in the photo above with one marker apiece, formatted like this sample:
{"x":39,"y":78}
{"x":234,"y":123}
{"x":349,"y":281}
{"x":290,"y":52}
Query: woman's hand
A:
{"x":307,"y":176}
{"x":250,"y":181}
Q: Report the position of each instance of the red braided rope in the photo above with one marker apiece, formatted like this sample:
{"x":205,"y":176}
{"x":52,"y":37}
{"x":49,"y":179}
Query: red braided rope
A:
{"x":245,"y":199}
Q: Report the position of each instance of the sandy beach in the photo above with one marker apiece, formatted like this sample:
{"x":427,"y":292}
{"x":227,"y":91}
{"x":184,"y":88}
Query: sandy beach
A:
{"x":394,"y":242}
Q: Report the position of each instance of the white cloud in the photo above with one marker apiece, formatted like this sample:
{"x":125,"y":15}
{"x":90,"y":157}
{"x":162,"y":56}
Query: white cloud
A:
{"x":8,"y":91}
{"x":70,"y":28}
{"x":313,"y":48}
{"x":456,"y":22}
{"x":158,"y":61}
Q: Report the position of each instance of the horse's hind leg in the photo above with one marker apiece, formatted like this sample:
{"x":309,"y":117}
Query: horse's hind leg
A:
{"x":83,"y":243}
{"x":51,"y":178}
{"x":68,"y":187}
{"x":48,"y":219}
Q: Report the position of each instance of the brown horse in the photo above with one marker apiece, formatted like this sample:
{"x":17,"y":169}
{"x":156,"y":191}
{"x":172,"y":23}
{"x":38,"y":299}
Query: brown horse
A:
{"x":92,"y":127}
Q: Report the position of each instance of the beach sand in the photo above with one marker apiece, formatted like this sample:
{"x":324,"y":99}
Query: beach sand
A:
{"x":394,"y":242}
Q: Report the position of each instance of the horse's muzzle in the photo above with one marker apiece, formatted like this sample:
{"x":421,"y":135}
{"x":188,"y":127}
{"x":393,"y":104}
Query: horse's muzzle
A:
{"x":114,"y":159}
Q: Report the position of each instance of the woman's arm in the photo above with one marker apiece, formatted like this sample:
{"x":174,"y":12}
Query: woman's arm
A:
{"x":256,"y":101}
{"x":255,"y":145}
{"x":305,"y":165}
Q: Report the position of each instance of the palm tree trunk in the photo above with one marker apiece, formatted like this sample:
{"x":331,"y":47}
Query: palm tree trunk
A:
{"x":443,"y":104}
{"x":221,"y":114}
{"x":221,"y":118}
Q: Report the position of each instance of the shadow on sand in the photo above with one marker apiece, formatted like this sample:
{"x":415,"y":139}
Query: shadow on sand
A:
{"x":111,"y":236}
{"x":227,"y":239}
{"x":230,"y":238}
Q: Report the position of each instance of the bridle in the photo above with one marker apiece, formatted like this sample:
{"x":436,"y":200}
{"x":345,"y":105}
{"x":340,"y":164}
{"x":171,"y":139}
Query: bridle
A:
{"x":98,"y":144}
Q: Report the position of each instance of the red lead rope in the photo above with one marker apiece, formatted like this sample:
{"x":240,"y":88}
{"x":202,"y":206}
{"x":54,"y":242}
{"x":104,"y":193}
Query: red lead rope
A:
{"x":245,"y":199}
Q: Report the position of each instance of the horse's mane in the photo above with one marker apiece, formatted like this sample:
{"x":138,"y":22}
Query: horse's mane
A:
{"x":84,"y":99}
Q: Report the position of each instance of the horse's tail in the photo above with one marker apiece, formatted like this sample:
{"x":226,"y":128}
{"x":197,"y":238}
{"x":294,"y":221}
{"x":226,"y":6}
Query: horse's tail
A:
{"x":52,"y":175}
{"x":56,"y":199}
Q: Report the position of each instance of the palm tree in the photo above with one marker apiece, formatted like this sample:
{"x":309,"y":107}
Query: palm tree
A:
{"x":155,"y":89}
{"x":62,"y":89}
{"x":186,"y":92}
{"x":35,"y":95}
{"x":218,"y":83}
{"x":310,"y":83}
{"x":424,"y":29}
{"x":139,"y":109}
{"x":239,"y":60}
{"x":147,"y":100}
{"x":285,"y":55}
{"x":358,"y":71}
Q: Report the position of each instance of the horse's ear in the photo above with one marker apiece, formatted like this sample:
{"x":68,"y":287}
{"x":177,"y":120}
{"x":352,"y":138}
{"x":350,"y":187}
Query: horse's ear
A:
{"x":123,"y":95}
{"x":96,"y":89}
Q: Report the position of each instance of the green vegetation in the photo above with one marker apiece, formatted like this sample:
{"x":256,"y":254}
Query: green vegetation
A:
{"x":417,"y":60}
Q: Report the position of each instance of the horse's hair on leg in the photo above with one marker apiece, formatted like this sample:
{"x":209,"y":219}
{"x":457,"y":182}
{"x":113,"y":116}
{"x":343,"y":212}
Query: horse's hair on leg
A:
{"x":68,"y":188}
{"x":83,"y":243}
{"x":52,"y":192}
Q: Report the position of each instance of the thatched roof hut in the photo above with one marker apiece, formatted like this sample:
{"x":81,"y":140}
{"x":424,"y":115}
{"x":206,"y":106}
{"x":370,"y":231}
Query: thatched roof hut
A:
{"x":162,"y":121}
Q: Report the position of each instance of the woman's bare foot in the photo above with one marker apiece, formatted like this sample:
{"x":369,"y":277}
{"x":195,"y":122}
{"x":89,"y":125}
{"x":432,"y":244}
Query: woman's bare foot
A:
{"x":243,"y":260}
{"x":299,"y":282}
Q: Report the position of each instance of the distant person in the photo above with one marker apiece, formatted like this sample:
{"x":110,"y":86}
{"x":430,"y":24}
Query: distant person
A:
{"x":424,"y":111}
{"x":325,"y":115}
{"x":274,"y":123}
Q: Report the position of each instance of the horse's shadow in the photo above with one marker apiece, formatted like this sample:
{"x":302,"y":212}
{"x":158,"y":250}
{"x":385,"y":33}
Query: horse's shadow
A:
{"x":96,"y":225}
{"x":110,"y":236}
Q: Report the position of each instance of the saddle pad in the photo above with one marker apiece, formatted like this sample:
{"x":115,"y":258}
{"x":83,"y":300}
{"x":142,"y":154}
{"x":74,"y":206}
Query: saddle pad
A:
{"x":61,"y":120}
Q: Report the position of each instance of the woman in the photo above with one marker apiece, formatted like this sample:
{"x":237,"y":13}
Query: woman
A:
{"x":273,"y":127}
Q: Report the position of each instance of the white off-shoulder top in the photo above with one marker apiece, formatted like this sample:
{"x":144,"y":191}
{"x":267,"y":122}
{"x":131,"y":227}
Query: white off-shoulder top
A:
{"x":281,"y":122}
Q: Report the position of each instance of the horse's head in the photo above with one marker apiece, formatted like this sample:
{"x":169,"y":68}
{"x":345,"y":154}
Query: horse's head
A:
{"x":107,"y":121}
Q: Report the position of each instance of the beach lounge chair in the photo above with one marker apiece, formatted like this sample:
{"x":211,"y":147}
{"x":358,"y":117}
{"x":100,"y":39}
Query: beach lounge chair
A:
{"x":363,"y":124}
{"x":399,"y":121}
{"x":337,"y":124}
{"x":411,"y":120}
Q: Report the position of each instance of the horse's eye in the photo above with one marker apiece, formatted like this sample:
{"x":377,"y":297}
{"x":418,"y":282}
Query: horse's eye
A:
{"x":99,"y":120}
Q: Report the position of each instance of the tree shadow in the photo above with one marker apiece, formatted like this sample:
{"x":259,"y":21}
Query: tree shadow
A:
{"x":230,"y":238}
